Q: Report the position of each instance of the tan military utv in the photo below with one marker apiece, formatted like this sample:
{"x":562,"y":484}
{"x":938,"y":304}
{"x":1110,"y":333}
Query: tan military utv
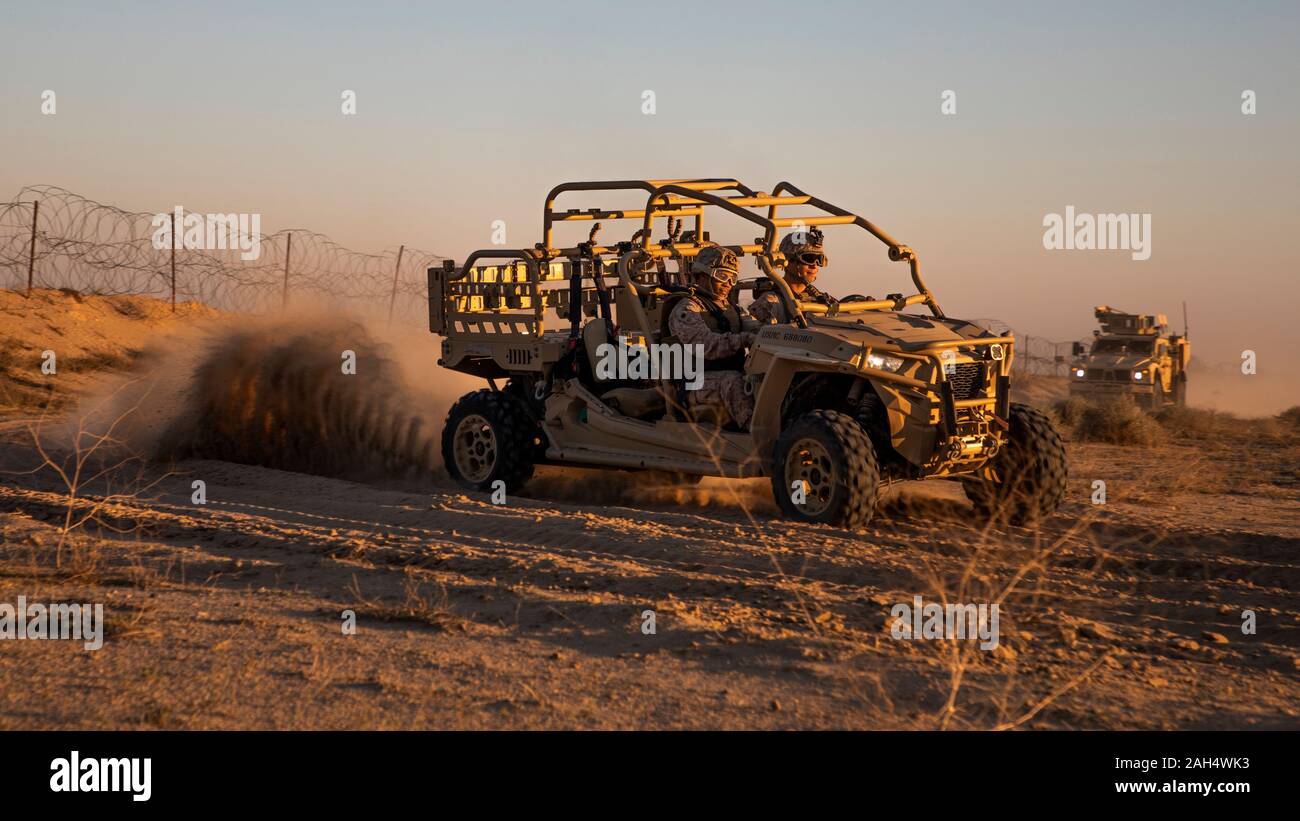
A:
{"x":849,"y":396}
{"x":1133,"y":356}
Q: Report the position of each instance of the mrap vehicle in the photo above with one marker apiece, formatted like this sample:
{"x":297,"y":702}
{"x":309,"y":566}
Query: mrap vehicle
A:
{"x":1132,"y":356}
{"x":848,"y":396}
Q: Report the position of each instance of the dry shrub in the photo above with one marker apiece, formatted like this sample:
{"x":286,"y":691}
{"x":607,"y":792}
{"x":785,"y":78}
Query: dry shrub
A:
{"x":1203,"y":425}
{"x":1069,"y":412}
{"x":1117,"y":423}
{"x":1196,"y":423}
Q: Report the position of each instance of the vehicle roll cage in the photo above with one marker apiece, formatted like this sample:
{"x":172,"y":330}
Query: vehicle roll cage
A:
{"x":681,"y":198}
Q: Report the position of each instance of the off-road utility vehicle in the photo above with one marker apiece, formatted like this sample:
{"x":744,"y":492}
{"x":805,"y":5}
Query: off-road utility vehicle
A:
{"x":1132,"y":356}
{"x":848,"y":396}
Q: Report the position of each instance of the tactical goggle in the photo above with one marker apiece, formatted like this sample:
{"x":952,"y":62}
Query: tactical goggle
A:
{"x":813,"y":258}
{"x":723,"y":275}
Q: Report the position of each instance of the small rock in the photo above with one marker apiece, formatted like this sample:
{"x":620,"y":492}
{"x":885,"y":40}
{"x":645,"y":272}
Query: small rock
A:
{"x":1156,"y":681}
{"x":1217,"y":638}
{"x":775,"y":706}
{"x":1186,"y":644}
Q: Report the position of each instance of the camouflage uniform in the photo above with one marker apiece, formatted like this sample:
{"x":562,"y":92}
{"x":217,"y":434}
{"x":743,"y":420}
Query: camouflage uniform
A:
{"x":767,"y":306}
{"x":693,"y":322}
{"x":768,"y":309}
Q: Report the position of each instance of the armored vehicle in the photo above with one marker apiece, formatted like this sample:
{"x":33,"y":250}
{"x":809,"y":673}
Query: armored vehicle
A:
{"x":1132,"y":356}
{"x":848,"y":396}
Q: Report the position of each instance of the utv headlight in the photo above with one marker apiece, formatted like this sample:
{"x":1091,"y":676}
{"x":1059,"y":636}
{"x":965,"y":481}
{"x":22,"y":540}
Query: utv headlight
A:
{"x":884,"y":362}
{"x":1079,"y":373}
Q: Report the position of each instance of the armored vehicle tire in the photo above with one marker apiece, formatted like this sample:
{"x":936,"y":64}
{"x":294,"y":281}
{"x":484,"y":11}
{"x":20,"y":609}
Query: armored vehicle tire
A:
{"x":1031,"y":472}
{"x":831,"y":454}
{"x":489,"y":436}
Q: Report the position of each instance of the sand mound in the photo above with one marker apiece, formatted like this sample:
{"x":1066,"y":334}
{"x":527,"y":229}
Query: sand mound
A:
{"x":88,"y":335}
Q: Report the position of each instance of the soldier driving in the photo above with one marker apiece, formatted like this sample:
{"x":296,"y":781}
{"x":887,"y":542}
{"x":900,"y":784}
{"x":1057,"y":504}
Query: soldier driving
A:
{"x":704,"y":317}
{"x":804,"y":257}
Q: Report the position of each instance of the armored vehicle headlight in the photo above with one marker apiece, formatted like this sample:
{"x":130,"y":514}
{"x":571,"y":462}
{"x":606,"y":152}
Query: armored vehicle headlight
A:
{"x":1079,"y":372}
{"x":884,"y":362}
{"x":1138,"y":375}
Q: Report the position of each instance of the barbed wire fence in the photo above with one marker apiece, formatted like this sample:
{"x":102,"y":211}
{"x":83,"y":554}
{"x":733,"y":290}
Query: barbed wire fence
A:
{"x":1035,"y":354}
{"x":53,"y":238}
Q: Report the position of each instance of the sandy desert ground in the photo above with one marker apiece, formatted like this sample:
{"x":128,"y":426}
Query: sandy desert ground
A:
{"x":529,"y":614}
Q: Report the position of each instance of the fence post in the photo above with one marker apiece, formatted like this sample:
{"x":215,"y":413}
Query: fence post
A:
{"x":31,"y":254}
{"x":396,"y":268}
{"x":288,"y":248}
{"x":173,"y":261}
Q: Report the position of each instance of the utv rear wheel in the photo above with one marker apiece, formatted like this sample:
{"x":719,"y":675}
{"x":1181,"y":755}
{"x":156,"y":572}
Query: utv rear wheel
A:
{"x":489,"y":437}
{"x":824,"y":470}
{"x":1030,"y":472}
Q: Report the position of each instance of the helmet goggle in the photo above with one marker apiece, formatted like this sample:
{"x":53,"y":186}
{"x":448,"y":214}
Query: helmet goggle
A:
{"x":813,"y":258}
{"x":723,"y":276}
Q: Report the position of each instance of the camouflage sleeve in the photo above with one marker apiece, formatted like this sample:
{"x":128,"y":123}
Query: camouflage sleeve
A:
{"x":687,"y":324}
{"x":766,"y":309}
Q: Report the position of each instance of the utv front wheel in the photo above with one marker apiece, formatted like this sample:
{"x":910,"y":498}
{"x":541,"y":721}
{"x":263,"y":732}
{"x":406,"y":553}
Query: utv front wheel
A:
{"x":1029,"y":473}
{"x":489,"y":437}
{"x":824,"y":470}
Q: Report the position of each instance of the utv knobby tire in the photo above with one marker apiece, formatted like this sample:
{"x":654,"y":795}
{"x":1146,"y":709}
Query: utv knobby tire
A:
{"x":1031,"y":471}
{"x":854,"y":484}
{"x":510,"y":429}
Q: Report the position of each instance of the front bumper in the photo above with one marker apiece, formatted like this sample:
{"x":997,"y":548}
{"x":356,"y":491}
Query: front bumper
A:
{"x":1110,"y":389}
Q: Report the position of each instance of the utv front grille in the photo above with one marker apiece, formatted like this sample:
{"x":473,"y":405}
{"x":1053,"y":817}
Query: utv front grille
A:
{"x":967,"y":379}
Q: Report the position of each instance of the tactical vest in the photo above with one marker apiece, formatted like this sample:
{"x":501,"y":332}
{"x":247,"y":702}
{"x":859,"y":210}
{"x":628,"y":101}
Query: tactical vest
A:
{"x":719,"y":320}
{"x":811,"y":293}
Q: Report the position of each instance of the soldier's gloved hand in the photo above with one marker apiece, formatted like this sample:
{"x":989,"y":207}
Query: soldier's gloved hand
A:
{"x":748,"y":338}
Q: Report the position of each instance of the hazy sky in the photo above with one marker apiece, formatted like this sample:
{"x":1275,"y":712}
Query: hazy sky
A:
{"x":469,"y":113}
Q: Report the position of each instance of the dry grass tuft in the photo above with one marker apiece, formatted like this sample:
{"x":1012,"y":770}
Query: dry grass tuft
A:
{"x":1115,"y":423}
{"x":430,"y":608}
